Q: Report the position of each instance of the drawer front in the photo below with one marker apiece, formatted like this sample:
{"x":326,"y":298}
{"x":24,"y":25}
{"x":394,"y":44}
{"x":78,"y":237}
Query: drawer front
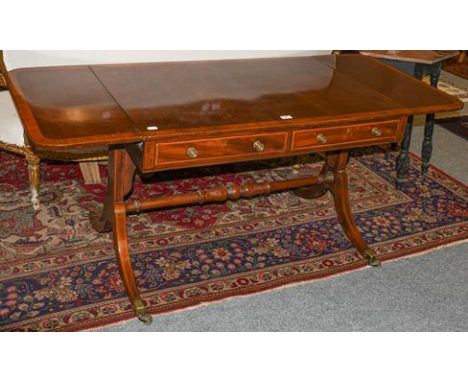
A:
{"x":218,"y":150}
{"x":347,"y":136}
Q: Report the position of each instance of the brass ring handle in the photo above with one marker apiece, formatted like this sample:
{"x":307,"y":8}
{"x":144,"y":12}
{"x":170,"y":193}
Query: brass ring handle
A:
{"x":258,"y":146}
{"x":322,"y":138}
{"x":192,"y":152}
{"x":376,"y":132}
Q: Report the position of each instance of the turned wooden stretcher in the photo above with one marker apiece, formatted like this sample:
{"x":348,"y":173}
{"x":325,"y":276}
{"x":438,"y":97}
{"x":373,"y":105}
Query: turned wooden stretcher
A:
{"x":163,"y":116}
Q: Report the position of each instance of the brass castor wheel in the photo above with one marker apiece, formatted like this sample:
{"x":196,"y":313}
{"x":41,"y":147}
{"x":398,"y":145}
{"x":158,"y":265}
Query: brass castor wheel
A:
{"x":145,"y":318}
{"x":372,"y":260}
{"x":140,"y":312}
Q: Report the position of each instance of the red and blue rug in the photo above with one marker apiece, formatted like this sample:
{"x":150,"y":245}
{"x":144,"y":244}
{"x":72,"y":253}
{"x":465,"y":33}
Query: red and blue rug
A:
{"x":57,"y":273}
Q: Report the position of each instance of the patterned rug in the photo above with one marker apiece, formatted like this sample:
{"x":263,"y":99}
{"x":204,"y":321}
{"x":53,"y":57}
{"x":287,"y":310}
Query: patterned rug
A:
{"x":57,"y":273}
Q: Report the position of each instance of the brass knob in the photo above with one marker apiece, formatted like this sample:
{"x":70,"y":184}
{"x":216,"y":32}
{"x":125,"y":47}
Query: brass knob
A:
{"x":322,"y":138}
{"x":258,"y":146}
{"x":376,"y":132}
{"x":192,"y":152}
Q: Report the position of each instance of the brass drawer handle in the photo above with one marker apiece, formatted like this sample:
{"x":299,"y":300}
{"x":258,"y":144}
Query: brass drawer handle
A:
{"x":258,"y":146}
{"x":376,"y":132}
{"x":322,"y":138}
{"x":192,"y":152}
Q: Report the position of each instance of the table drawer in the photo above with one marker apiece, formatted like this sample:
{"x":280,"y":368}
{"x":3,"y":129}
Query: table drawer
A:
{"x":347,"y":135}
{"x":218,"y":150}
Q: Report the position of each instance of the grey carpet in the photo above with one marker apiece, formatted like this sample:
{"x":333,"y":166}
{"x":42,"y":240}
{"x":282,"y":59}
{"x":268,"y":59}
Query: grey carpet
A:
{"x":424,"y":293}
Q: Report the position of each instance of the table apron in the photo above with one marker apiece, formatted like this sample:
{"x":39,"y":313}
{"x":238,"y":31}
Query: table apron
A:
{"x":154,"y":155}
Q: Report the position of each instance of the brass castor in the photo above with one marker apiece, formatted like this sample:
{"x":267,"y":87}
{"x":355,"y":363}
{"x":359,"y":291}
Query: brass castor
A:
{"x":141,"y":312}
{"x":372,"y":260}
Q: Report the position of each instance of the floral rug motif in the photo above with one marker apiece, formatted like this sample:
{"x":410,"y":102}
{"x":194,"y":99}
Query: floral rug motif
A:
{"x":57,"y":273}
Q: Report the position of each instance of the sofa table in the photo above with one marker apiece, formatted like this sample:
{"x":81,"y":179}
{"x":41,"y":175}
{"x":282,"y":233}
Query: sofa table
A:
{"x":417,"y":63}
{"x":163,"y":116}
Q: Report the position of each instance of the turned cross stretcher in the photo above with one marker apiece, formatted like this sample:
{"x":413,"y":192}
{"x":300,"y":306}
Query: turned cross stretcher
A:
{"x":163,"y":116}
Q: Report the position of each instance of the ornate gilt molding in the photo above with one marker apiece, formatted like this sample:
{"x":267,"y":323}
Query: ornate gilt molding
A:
{"x":12,"y":148}
{"x":72,"y":157}
{"x":30,"y":153}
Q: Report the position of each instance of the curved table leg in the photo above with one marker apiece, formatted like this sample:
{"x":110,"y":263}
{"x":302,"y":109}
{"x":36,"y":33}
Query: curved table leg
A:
{"x":339,"y":187}
{"x":125,"y":263}
{"x":114,"y":216}
{"x":119,"y":185}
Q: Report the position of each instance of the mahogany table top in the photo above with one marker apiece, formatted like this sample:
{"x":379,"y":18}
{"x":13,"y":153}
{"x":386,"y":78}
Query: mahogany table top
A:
{"x":417,"y":56}
{"x":76,"y":106}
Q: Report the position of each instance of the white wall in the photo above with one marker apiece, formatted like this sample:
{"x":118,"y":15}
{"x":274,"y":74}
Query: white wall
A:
{"x":29,"y":58}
